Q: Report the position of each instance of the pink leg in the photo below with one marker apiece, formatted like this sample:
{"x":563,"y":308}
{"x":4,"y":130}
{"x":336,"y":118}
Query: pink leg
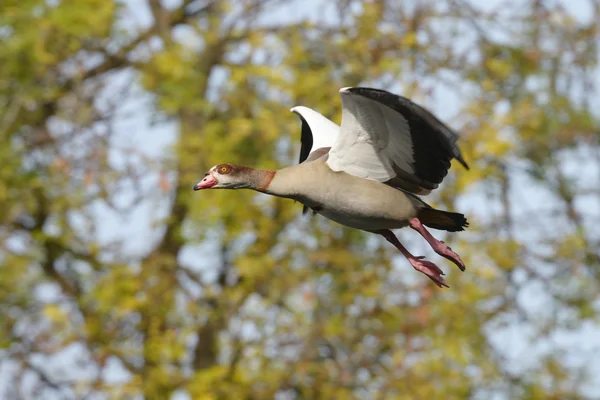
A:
{"x":428,"y":268}
{"x":437,"y":245}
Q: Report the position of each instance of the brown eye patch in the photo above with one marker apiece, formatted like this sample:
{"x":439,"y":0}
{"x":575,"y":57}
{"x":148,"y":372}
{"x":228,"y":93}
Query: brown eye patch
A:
{"x":223,"y":168}
{"x":231,"y":169}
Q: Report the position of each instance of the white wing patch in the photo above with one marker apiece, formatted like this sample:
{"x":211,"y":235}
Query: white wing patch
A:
{"x":373,"y":140}
{"x":324,"y":131}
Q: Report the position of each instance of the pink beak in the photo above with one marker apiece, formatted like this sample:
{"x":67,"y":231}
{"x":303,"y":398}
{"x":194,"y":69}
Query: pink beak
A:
{"x":206,"y":183}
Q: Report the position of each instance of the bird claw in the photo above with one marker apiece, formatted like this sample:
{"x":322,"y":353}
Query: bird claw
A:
{"x":428,"y":268}
{"x":419,"y":263}
{"x":438,"y":246}
{"x":445,"y":251}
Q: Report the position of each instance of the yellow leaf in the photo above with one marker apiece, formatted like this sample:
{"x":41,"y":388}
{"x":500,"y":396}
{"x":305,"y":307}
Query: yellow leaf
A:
{"x":54,"y":313}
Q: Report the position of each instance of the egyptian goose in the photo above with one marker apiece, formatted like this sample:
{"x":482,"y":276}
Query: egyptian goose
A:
{"x":367,"y":173}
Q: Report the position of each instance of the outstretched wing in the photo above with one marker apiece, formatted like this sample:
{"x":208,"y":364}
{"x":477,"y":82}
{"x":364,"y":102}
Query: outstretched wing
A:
{"x":388,"y":138}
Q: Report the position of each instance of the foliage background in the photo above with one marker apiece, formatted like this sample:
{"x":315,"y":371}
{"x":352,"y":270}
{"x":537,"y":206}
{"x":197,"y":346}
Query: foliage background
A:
{"x":117,"y":281}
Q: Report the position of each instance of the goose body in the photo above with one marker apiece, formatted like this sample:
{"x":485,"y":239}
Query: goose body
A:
{"x":367,"y":173}
{"x":346,"y":199}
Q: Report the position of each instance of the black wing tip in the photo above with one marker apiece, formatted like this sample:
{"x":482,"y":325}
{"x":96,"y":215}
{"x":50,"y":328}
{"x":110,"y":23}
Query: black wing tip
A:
{"x":369,"y":92}
{"x":463,"y":163}
{"x":458,"y":157}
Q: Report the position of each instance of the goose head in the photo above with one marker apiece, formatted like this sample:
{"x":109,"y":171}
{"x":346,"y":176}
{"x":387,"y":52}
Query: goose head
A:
{"x":229,"y":176}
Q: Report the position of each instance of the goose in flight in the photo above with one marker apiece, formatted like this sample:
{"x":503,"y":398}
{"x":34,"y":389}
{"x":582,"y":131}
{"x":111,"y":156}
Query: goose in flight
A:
{"x":367,"y":173}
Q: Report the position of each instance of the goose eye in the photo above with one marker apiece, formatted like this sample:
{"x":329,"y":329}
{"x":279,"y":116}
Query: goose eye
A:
{"x":223,"y":169}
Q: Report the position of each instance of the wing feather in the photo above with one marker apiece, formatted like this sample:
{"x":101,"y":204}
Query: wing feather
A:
{"x":317,"y":131}
{"x":390,"y":139}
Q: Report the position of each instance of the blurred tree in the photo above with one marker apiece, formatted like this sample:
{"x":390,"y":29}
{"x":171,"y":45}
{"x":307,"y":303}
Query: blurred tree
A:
{"x":237,"y":296}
